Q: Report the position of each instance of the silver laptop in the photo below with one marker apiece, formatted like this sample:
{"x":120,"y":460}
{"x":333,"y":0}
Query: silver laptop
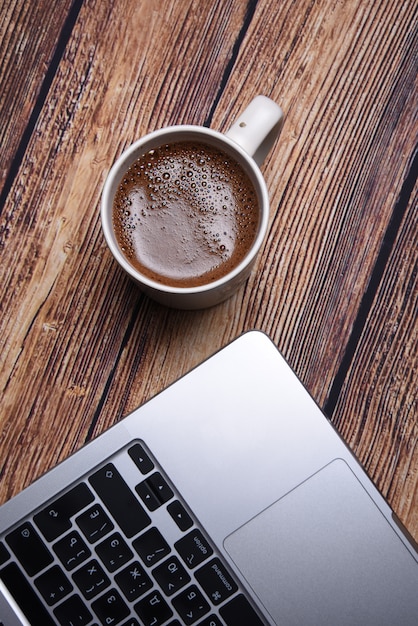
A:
{"x":228,"y":499}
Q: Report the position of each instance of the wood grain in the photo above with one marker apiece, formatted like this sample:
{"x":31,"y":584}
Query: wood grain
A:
{"x":29,"y":33}
{"x":81,"y":346}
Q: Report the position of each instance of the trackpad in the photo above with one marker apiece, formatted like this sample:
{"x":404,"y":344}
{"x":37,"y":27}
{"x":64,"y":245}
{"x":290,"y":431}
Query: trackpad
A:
{"x":325,"y":554}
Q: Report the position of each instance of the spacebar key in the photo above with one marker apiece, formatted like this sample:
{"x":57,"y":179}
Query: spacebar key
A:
{"x":119,"y":499}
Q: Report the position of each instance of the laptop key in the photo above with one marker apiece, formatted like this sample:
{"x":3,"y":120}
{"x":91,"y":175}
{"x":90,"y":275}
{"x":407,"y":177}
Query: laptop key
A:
{"x":73,"y":611}
{"x":133,"y":581}
{"x":114,"y":552}
{"x":55,"y":520}
{"x":110,"y":608}
{"x":94,"y":523}
{"x":193,"y":548}
{"x":216,"y":581}
{"x":53,"y":585}
{"x":25,"y":596}
{"x":29,"y":548}
{"x":153,"y":610}
{"x":171,"y":576}
{"x":71,"y":550}
{"x":91,"y":579}
{"x":147,"y":495}
{"x":160,"y":487}
{"x":151,"y":546}
{"x":180,"y":515}
{"x":141,"y":459}
{"x":239,"y":612}
{"x":191,"y":605}
{"x":119,"y":500}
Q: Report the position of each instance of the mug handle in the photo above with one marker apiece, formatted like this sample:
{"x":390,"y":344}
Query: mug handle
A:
{"x":258,"y":127}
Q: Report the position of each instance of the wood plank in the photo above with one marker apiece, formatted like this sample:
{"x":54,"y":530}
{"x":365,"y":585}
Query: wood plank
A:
{"x":29,"y":32}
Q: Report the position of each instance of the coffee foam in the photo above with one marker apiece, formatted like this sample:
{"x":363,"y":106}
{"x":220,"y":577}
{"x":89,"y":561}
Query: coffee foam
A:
{"x":185,"y":214}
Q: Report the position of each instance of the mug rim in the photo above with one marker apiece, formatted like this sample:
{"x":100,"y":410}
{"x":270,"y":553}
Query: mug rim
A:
{"x":140,"y":146}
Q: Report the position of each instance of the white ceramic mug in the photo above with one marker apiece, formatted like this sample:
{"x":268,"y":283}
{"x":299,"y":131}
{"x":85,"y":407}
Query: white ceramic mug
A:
{"x":248,"y":141}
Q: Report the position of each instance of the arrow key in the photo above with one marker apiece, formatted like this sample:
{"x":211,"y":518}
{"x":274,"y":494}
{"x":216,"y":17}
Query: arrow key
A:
{"x":154,"y":491}
{"x":180,"y":515}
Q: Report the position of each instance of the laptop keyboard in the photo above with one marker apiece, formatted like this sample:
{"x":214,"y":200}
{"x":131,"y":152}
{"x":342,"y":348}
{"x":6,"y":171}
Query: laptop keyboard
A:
{"x":120,"y":547}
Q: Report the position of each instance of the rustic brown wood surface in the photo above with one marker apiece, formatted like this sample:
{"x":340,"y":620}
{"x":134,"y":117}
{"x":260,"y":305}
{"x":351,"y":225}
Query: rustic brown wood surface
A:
{"x":335,"y":285}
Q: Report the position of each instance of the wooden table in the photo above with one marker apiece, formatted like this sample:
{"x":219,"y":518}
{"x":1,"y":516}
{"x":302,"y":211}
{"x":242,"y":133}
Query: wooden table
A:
{"x":336,"y":283}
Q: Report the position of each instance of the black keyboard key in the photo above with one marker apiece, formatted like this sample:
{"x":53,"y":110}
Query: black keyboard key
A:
{"x":154,"y":491}
{"x":29,"y":548}
{"x":73,"y":611}
{"x":120,"y":500}
{"x":191,"y":605}
{"x":133,"y":581}
{"x":160,"y":487}
{"x":193,"y":548}
{"x":216,"y":581}
{"x":114,"y":552}
{"x":180,"y":515}
{"x":134,"y":622}
{"x":94,"y":523}
{"x":148,"y":496}
{"x":141,"y":459}
{"x":151,"y":546}
{"x":55,"y":520}
{"x":110,"y":608}
{"x":153,"y":610}
{"x":25,"y":596}
{"x":71,"y":550}
{"x":53,"y":585}
{"x":239,"y":612}
{"x":171,"y":576}
{"x":91,"y":579}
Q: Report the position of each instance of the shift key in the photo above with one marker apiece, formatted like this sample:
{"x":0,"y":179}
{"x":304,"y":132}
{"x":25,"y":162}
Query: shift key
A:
{"x":119,"y":500}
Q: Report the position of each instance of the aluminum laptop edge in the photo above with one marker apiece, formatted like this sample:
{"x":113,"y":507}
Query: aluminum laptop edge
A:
{"x":291,"y":513}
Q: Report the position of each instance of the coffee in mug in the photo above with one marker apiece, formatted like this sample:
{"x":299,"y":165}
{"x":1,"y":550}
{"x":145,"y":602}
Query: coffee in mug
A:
{"x":185,"y":214}
{"x":185,"y":209}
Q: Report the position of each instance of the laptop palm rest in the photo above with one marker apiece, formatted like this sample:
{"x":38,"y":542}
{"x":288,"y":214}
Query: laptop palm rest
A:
{"x":334,"y":558}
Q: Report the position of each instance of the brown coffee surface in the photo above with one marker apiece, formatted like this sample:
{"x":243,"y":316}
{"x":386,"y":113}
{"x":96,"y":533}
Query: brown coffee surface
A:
{"x":185,"y":214}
